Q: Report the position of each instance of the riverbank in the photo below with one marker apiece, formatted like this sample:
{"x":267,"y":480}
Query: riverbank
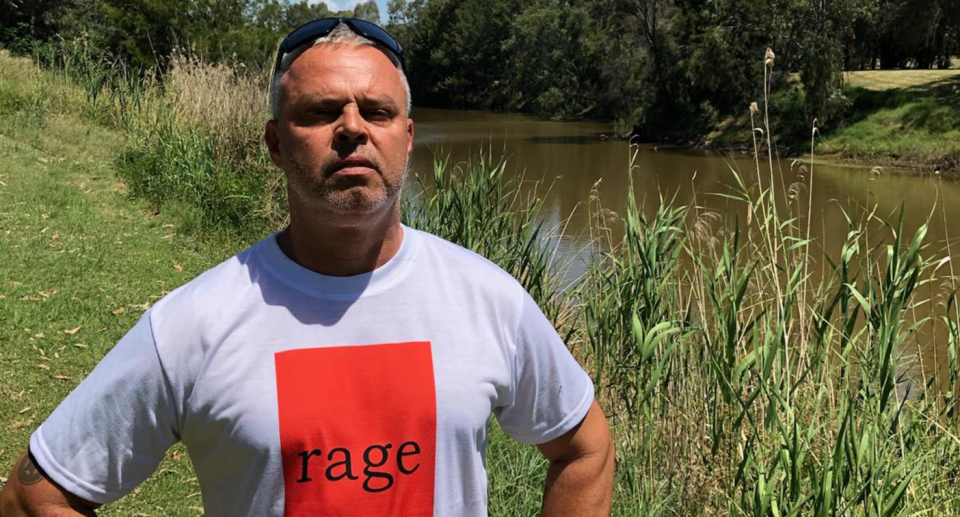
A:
{"x":723,"y":362}
{"x":908,"y":119}
{"x":905,"y":120}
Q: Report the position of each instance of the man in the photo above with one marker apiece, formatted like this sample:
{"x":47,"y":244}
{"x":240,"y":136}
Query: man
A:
{"x":345,"y":366}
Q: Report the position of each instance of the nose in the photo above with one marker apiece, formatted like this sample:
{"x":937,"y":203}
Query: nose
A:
{"x":351,"y":128}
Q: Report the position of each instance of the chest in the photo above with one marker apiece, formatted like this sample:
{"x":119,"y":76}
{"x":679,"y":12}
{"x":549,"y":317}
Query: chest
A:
{"x":396,"y":391}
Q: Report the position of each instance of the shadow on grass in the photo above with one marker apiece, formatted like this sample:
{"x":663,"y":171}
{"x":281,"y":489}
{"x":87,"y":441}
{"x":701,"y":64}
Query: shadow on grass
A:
{"x":915,"y":124}
{"x":935,"y":105}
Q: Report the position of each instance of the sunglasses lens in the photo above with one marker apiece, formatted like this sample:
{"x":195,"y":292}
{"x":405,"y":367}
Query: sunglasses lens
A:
{"x":314,"y":29}
{"x":379,"y":35}
{"x":322,"y":27}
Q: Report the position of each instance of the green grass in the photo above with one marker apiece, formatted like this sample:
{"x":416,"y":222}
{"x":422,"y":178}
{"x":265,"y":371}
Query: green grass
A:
{"x":901,"y":119}
{"x":883,"y":80}
{"x":80,"y":263}
{"x":913,"y":123}
{"x":737,"y":380}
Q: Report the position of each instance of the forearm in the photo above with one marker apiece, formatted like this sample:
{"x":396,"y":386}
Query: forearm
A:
{"x":28,"y":493}
{"x":12,"y":506}
{"x":580,"y":487}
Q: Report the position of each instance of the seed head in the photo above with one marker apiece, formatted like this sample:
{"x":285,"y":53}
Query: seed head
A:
{"x":754,"y":108}
{"x":768,"y":59}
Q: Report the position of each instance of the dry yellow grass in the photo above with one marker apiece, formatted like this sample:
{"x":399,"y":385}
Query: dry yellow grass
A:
{"x":880,"y":80}
{"x":219,"y":100}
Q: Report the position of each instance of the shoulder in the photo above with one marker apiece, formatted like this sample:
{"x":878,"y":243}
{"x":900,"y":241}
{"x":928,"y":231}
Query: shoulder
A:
{"x":189,"y":323}
{"x":471,"y":279}
{"x":200,"y":303}
{"x":460,"y":263}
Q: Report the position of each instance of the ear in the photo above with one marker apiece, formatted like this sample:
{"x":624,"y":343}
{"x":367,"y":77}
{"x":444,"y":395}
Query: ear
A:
{"x":271,"y":137}
{"x":409,"y":135}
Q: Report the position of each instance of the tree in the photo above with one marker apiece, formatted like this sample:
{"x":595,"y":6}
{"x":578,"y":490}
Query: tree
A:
{"x":23,"y":21}
{"x":663,"y":105}
{"x":298,"y":13}
{"x":553,"y":60}
{"x":818,"y":51}
{"x":367,"y":11}
{"x":720,"y":41}
{"x":455,"y":53}
{"x":398,"y":13}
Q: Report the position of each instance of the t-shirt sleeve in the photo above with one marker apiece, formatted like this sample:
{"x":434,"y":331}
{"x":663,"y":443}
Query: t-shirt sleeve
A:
{"x":110,"y":433}
{"x":551,"y":392}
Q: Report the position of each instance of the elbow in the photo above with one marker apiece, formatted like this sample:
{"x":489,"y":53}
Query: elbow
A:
{"x":610,"y":458}
{"x":596,"y":450}
{"x":9,"y":501}
{"x":29,"y":492}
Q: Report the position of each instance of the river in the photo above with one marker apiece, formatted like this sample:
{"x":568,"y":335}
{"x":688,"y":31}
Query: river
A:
{"x":569,"y":158}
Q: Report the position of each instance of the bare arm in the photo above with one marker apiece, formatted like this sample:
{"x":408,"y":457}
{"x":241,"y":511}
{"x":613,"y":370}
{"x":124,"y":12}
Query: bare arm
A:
{"x":29,"y":492}
{"x":580,"y":476}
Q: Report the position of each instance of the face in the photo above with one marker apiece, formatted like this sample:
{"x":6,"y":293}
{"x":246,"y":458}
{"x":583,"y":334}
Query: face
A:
{"x":344,"y":136}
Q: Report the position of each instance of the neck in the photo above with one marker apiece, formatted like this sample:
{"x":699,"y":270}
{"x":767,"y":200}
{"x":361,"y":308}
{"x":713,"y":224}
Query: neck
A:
{"x":342,"y":249}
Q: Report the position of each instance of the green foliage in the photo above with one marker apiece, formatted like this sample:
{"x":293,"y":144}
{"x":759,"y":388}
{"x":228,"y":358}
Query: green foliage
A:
{"x":552,"y":60}
{"x":144,"y":35}
{"x":788,"y":108}
{"x":283,"y":17}
{"x":180,"y":166}
{"x":367,"y":11}
{"x":477,"y":206}
{"x":738,"y":381}
{"x":455,"y":52}
{"x":913,"y":31}
{"x":664,"y":70}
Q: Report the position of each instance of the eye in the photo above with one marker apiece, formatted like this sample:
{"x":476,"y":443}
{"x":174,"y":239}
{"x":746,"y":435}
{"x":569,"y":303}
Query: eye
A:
{"x":322,"y":112}
{"x":377,"y":115}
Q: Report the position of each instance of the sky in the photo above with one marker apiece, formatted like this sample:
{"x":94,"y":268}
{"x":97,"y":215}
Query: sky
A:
{"x":339,"y":5}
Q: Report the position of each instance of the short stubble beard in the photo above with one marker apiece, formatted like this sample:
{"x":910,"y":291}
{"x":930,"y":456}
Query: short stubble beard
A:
{"x":350,"y":200}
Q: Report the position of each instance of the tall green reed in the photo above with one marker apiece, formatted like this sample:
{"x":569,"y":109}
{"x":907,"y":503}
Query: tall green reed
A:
{"x":742,"y":383}
{"x":479,"y":206}
{"x":738,"y":379}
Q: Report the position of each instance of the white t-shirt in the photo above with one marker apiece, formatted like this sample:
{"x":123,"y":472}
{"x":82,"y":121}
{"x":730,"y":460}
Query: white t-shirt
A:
{"x":303,"y":394}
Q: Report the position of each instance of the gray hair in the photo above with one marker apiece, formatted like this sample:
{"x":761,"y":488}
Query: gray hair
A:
{"x":340,"y":34}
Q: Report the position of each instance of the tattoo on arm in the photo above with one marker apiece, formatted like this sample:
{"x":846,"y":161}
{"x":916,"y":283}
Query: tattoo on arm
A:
{"x":28,"y":472}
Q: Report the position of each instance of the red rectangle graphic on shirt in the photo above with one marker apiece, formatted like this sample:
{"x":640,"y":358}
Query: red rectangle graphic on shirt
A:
{"x":358,"y":429}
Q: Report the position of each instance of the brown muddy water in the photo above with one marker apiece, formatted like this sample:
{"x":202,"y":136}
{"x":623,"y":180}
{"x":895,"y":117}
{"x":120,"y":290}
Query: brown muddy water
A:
{"x":569,"y":158}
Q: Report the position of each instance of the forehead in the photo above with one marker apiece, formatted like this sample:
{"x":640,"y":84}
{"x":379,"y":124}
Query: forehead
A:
{"x":343,"y":69}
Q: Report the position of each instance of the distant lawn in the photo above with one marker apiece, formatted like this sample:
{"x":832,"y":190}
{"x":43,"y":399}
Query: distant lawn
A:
{"x":882,"y":80}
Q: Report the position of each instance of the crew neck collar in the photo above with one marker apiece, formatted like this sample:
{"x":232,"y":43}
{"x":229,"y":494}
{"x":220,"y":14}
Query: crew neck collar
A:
{"x":340,"y":287}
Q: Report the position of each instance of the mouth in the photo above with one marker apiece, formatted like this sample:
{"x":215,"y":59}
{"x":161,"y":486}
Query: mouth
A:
{"x":353,"y":167}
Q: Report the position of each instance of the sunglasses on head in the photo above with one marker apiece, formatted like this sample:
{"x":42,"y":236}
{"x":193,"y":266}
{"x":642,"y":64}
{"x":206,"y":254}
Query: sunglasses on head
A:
{"x":324,"y":26}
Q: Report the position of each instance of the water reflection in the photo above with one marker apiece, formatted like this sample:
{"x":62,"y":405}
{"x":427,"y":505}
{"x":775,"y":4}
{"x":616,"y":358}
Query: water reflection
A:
{"x":569,"y":158}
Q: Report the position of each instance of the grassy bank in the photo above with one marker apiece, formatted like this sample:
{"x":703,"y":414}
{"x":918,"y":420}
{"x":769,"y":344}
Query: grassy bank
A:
{"x":902,"y":119}
{"x":80,"y":263}
{"x":737,"y":380}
